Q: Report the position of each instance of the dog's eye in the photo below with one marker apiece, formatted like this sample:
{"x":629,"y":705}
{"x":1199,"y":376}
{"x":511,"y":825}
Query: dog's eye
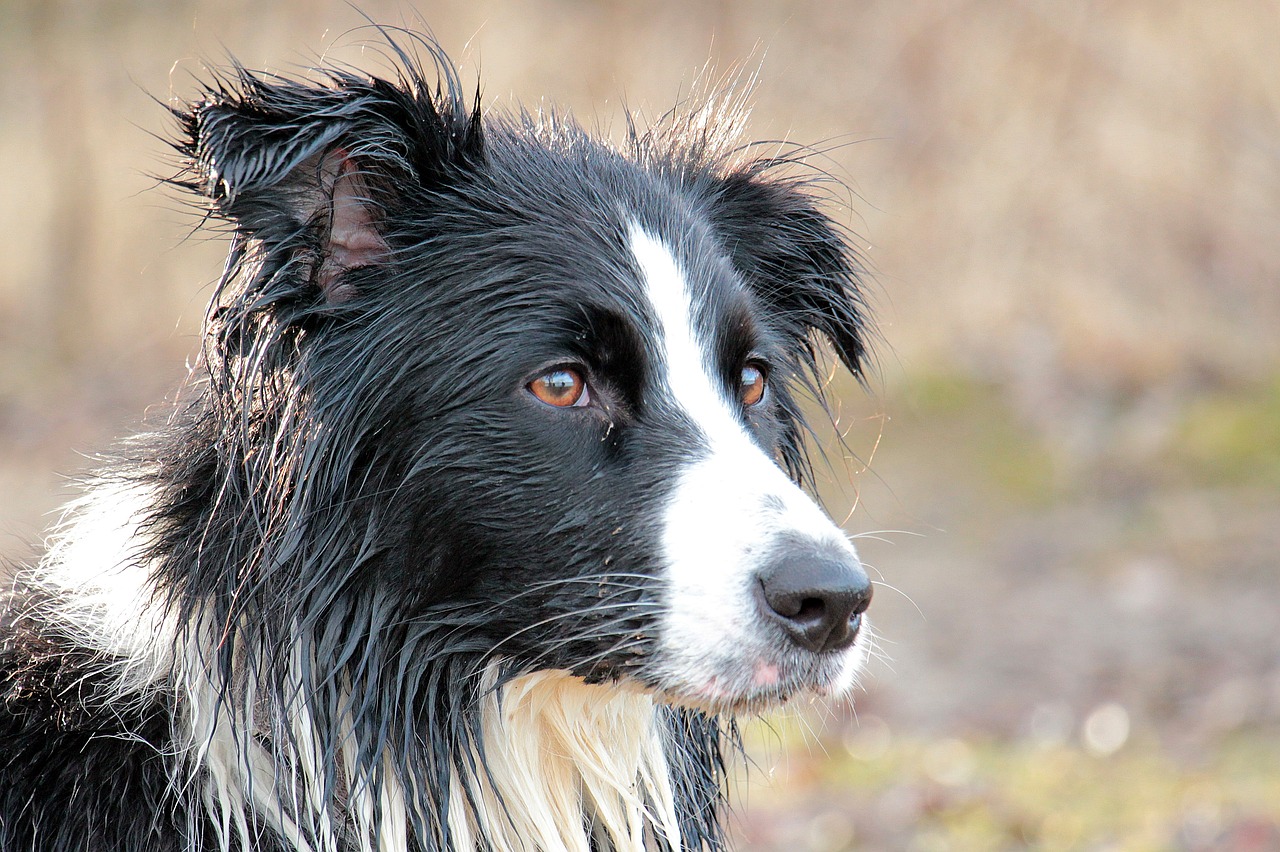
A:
{"x":562,"y":387}
{"x":751,"y":385}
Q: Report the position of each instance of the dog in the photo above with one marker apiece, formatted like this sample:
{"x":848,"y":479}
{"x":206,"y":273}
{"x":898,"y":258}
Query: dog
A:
{"x":480,"y":518}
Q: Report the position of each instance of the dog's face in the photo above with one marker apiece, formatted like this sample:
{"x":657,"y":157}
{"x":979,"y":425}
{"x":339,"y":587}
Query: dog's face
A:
{"x":567,"y":380}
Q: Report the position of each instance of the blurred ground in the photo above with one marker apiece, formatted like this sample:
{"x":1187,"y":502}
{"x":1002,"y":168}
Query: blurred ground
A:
{"x":1074,"y":440}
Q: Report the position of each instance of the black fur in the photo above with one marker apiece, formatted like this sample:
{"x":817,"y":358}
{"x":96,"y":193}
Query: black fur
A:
{"x":355,"y":499}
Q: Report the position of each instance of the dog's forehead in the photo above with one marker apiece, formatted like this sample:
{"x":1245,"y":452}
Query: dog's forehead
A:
{"x":596,"y":196}
{"x":671,"y":283}
{"x":623,"y":239}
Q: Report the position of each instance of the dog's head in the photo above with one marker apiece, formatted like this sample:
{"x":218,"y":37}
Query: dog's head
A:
{"x":537,"y":395}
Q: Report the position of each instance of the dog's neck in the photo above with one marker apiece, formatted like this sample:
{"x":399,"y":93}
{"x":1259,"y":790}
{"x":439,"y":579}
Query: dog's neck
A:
{"x":573,"y":762}
{"x":559,"y":764}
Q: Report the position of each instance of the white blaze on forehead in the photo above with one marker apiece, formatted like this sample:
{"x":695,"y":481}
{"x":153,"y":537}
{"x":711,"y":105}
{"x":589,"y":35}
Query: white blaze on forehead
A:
{"x":688,"y":367}
{"x":733,"y":461}
{"x":731,"y":505}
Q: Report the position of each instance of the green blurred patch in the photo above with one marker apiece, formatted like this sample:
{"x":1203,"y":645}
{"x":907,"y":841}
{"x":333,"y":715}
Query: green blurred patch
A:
{"x":986,"y":793}
{"x":972,"y":426}
{"x":934,"y":393}
{"x":1233,"y":436}
{"x":1226,"y":436}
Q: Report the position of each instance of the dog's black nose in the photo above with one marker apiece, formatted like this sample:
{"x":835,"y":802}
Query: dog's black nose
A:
{"x":817,"y":597}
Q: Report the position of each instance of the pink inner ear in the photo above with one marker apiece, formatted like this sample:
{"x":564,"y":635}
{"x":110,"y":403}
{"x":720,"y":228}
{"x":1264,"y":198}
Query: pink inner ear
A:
{"x":353,"y":239}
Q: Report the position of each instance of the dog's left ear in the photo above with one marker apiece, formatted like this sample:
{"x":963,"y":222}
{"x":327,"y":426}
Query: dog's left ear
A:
{"x":795,"y":259}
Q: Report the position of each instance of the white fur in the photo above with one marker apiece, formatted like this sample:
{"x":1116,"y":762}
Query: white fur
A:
{"x":727,"y":510}
{"x":555,"y":749}
{"x":561,"y":748}
{"x":99,"y":588}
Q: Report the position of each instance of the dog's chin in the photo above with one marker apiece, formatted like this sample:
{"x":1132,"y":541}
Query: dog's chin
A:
{"x":748,"y":685}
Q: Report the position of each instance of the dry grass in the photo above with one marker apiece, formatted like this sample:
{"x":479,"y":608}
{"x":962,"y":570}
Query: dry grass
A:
{"x":1073,"y":212}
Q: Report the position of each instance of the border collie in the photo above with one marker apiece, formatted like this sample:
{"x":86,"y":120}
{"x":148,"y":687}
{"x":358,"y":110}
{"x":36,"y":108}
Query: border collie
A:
{"x":481,"y":516}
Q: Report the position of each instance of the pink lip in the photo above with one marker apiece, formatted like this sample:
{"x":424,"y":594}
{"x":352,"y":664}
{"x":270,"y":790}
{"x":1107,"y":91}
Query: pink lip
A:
{"x":766,"y":675}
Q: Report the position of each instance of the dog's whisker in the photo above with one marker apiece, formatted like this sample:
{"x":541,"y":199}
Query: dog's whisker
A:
{"x":883,"y":535}
{"x":907,"y":597}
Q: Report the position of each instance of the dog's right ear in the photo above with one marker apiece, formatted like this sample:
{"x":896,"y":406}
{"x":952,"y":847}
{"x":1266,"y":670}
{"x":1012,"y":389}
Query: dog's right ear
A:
{"x":308,"y":173}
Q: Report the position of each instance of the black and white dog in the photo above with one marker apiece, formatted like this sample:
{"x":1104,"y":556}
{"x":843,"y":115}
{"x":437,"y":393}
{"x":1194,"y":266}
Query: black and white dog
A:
{"x":481,"y":516}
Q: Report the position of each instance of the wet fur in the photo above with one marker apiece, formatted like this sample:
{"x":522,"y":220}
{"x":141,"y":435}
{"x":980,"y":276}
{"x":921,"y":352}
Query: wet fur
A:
{"x":314,"y":610}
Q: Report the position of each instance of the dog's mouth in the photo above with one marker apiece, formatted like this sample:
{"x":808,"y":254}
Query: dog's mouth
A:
{"x":734,"y":679}
{"x":751,"y":682}
{"x":785,"y":645}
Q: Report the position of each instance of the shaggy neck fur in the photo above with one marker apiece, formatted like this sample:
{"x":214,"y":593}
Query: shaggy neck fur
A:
{"x":537,"y":761}
{"x":577,"y":761}
{"x":559,"y":764}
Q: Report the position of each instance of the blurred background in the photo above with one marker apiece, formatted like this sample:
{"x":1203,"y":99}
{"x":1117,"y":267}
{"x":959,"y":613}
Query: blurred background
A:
{"x":1067,"y":474}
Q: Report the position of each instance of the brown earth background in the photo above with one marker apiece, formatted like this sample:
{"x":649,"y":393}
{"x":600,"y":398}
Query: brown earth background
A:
{"x":1067,"y":473}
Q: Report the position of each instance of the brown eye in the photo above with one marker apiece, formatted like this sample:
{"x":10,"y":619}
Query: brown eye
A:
{"x":751,"y":387}
{"x":562,"y":387}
